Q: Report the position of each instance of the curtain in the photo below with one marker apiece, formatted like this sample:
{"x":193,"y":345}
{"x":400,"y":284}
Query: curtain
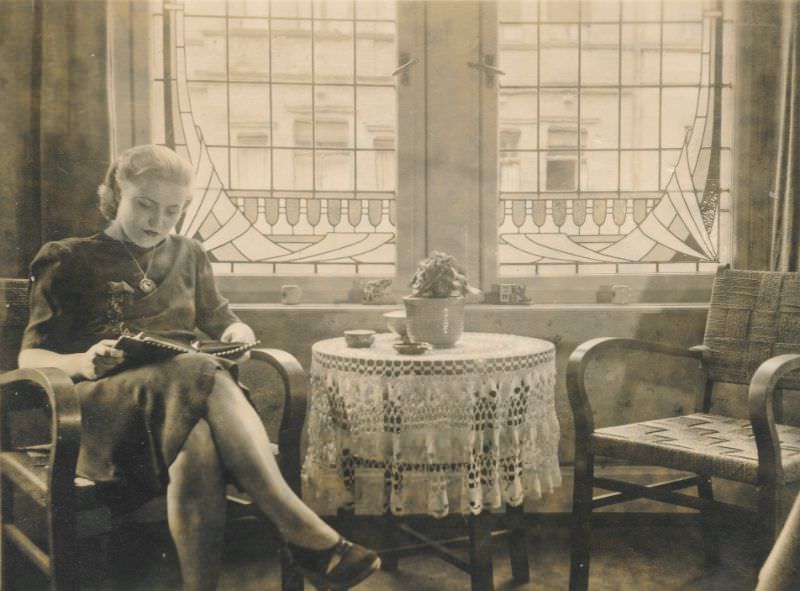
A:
{"x":72,"y":105}
{"x":785,"y":252}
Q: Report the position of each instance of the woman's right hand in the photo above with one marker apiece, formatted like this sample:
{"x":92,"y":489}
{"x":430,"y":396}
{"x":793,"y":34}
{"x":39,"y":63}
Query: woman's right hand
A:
{"x":100,"y":359}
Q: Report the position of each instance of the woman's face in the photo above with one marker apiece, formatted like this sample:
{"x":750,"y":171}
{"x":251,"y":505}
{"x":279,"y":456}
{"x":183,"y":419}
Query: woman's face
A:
{"x":148,"y":210}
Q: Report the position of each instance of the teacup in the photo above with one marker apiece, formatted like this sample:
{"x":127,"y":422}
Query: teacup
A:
{"x":396,"y":322}
{"x":359,"y":338}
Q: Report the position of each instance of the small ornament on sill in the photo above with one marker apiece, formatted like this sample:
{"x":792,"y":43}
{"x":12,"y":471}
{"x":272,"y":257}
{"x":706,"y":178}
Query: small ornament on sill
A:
{"x":507,"y":293}
{"x":377,"y":291}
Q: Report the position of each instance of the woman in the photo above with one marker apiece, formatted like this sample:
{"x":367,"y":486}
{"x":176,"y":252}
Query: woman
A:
{"x":183,"y":424}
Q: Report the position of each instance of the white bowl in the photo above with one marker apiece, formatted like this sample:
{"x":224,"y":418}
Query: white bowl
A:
{"x":396,"y":322}
{"x":359,"y":338}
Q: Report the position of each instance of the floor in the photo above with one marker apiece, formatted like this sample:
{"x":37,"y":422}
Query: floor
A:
{"x":635,"y":557}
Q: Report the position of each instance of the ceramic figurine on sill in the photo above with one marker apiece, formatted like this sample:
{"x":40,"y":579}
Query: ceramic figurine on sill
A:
{"x":182,"y":425}
{"x":376,"y":291}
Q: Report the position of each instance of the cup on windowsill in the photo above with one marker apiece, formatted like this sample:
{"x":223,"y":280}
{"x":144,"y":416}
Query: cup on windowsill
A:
{"x":291,"y":294}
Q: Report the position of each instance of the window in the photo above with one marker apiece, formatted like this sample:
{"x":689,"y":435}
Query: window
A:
{"x":646,"y":189}
{"x":288,"y":111}
{"x":535,"y":140}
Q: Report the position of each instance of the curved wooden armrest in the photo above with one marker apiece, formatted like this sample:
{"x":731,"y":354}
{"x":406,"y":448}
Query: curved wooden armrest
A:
{"x":760,"y":398}
{"x":295,"y":388}
{"x":584,"y":354}
{"x":65,"y":430}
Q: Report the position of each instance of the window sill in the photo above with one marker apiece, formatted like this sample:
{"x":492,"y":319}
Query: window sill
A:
{"x":472,"y":308}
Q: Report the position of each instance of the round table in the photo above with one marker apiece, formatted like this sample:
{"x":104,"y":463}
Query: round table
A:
{"x":462,"y":429}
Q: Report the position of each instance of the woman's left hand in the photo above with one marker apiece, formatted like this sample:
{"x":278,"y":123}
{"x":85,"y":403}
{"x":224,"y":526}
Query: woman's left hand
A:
{"x":239,"y":332}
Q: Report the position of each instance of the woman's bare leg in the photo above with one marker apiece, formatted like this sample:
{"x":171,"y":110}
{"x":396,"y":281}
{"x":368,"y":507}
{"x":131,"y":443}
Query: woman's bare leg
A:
{"x":243,"y":445}
{"x":196,"y":509}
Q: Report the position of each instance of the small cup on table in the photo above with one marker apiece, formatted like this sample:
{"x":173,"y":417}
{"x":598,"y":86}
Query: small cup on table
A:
{"x":359,"y":338}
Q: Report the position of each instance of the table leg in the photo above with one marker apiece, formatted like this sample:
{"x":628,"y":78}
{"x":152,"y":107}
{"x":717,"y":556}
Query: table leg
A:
{"x":518,"y":545}
{"x":480,"y":551}
{"x":389,"y":540}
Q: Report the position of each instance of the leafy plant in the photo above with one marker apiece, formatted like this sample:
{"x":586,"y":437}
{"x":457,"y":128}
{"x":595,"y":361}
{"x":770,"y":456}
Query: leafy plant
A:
{"x":439,"y":276}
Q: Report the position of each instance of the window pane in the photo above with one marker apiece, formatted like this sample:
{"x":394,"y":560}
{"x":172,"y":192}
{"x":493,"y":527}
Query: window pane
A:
{"x":640,"y":118}
{"x":558,"y":63}
{"x":333,"y":51}
{"x":250,"y":108}
{"x":291,"y":110}
{"x":519,"y":56}
{"x":208,"y":58}
{"x":248,"y":45}
{"x":518,"y":118}
{"x":641,"y":54}
{"x":375,"y":52}
{"x":376,"y":117}
{"x":291,"y":51}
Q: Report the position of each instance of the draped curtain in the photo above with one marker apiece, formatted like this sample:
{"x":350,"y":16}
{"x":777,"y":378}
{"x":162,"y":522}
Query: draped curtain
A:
{"x":69,"y":115}
{"x":785,"y":252}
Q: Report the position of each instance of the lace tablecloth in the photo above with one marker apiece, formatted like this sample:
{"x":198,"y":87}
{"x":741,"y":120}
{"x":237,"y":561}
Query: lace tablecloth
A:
{"x":452,"y":430}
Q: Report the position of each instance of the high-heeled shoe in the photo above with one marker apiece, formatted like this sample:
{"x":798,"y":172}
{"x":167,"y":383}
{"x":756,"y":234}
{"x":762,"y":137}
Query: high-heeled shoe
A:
{"x":339,"y":567}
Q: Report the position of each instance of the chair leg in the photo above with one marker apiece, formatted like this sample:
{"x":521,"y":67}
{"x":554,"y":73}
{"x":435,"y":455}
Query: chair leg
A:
{"x":518,"y":547}
{"x":581,"y":520}
{"x":6,"y":547}
{"x":710,"y":537}
{"x":63,"y":549}
{"x":769,"y":516}
{"x":480,"y":551}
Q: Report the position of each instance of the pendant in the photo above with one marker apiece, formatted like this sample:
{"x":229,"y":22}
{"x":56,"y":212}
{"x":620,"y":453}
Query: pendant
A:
{"x":147,"y":285}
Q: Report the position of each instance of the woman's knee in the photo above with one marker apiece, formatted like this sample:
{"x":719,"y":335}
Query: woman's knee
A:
{"x":199,"y":452}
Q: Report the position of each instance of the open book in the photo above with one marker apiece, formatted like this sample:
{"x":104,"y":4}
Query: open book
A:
{"x":148,"y":347}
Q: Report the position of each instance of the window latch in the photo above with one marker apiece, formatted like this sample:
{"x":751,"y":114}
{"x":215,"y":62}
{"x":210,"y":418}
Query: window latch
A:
{"x":488,"y":68}
{"x":402,"y":69}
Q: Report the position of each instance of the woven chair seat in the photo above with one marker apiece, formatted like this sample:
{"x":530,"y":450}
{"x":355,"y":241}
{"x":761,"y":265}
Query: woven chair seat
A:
{"x":707,"y":444}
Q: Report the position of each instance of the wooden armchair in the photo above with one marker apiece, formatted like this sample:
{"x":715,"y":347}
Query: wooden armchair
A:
{"x":43,"y":470}
{"x":752,"y":337}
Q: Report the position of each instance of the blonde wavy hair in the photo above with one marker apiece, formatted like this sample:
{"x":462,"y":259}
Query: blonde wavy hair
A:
{"x":146,"y":161}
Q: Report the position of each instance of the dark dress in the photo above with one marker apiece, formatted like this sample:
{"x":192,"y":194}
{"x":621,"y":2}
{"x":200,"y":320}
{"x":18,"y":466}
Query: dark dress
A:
{"x":135,"y":420}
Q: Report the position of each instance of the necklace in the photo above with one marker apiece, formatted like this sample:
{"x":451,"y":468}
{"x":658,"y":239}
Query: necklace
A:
{"x":146,"y":284}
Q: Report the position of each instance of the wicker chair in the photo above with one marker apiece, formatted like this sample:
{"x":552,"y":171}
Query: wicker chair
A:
{"x":42,"y":468}
{"x":752,"y":338}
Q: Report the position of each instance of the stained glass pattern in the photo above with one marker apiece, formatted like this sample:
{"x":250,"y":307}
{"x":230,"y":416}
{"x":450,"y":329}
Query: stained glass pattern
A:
{"x":611,"y":118}
{"x":287,"y":109}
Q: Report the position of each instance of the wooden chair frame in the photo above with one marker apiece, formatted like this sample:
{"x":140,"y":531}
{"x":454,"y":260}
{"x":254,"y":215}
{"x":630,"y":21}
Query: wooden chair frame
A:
{"x":763,"y":397}
{"x":53,"y":486}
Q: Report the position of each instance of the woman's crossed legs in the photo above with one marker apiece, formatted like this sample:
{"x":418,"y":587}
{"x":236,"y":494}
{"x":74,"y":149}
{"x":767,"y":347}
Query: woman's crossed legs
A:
{"x":232,"y":438}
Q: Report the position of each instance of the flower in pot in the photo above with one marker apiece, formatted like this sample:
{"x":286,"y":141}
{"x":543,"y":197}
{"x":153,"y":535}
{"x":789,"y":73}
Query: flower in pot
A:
{"x":435,"y":308}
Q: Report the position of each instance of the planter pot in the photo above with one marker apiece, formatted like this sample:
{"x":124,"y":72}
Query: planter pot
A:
{"x":438,"y":321}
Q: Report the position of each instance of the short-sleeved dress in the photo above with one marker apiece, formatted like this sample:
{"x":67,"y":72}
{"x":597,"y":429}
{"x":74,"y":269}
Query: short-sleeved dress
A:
{"x":134,"y":421}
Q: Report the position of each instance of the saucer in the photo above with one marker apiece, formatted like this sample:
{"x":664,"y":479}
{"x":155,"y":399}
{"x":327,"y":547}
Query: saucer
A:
{"x":411,"y":348}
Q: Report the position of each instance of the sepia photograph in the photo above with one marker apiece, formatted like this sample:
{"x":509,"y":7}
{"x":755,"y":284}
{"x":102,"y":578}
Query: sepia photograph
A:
{"x":393,"y":295}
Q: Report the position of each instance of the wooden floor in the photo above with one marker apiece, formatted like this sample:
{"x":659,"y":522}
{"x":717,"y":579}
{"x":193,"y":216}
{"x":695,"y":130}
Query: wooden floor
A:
{"x":658,"y":557}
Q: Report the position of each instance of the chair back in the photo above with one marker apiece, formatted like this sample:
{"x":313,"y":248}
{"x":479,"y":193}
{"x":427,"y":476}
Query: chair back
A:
{"x":753,"y":316}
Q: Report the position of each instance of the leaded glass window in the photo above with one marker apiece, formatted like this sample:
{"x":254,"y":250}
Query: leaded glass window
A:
{"x":614,"y":144}
{"x":287,"y":109}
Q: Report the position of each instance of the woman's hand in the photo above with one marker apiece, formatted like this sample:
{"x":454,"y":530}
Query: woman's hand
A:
{"x":100,"y":359}
{"x":239,"y":332}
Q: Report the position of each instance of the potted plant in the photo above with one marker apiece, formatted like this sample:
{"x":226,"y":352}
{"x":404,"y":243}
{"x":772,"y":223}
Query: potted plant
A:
{"x":435,"y":308}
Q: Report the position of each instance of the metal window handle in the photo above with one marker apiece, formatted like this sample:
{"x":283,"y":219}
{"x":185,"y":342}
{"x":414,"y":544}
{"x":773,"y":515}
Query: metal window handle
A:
{"x":404,"y":66}
{"x":487,"y":67}
{"x":403,"y":69}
